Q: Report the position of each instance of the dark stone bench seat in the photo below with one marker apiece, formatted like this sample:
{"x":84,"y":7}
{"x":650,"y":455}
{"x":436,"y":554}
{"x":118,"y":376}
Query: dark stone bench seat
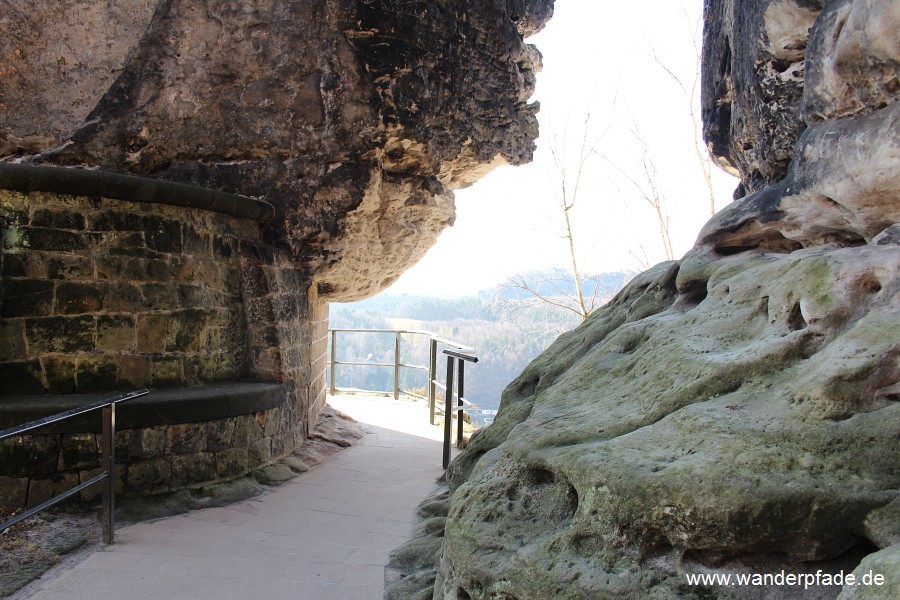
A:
{"x":159,"y":407}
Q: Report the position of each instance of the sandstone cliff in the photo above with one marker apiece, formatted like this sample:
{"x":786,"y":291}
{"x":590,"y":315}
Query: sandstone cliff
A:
{"x":735,"y":411}
{"x":356,"y":119}
{"x":185,"y":184}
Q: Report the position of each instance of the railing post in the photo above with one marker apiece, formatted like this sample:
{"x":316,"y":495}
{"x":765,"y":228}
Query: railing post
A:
{"x":107,"y":476}
{"x":333,"y":355}
{"x":448,"y":411}
{"x":461,"y":382}
{"x":397,"y":365}
{"x":108,"y":464}
{"x":432,"y":377}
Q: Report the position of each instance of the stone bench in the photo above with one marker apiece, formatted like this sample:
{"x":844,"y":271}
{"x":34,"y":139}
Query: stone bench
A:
{"x":159,"y":407}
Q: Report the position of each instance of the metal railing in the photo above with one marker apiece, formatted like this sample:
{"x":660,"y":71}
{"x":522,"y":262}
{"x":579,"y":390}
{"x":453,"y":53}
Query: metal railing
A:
{"x":460,"y":358}
{"x":434,"y":341}
{"x":107,"y":460}
{"x":455,"y":403}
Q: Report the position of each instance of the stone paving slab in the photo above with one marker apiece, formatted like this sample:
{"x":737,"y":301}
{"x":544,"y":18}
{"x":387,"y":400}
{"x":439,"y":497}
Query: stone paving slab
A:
{"x":324,"y":535}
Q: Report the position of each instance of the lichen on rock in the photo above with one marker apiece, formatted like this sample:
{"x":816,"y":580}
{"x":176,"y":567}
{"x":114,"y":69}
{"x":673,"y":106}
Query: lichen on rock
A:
{"x":755,"y":423}
{"x":735,"y":411}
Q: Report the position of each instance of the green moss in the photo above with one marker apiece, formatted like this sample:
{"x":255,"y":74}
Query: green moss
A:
{"x":741,"y":425}
{"x":12,"y":582}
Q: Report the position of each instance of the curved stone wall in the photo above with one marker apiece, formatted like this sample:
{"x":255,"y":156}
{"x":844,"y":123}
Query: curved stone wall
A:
{"x":170,"y":440}
{"x":102,"y":294}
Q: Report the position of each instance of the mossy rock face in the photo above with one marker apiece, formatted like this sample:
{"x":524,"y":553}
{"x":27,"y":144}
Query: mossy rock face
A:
{"x":737,"y":411}
{"x":412,"y":568}
{"x":754,"y":422}
{"x":869,"y":586}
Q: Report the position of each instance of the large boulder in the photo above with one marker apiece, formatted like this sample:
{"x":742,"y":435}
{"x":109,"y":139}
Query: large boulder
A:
{"x":737,"y":411}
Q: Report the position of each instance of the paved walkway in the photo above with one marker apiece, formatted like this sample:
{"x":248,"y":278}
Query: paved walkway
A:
{"x":324,"y":535}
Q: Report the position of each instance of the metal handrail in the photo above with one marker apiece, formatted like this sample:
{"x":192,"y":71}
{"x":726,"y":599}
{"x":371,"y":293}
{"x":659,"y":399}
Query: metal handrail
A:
{"x":430,"y":334}
{"x":460,"y":358}
{"x":433,"y":384}
{"x":107,"y":460}
{"x":457,"y":355}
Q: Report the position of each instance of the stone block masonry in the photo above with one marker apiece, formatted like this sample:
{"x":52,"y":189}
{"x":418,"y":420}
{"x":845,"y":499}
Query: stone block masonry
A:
{"x":153,"y":460}
{"x":101,"y":295}
{"x":107,"y":294}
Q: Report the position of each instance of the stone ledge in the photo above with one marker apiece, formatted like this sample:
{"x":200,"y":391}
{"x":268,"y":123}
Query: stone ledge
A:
{"x":86,"y":182}
{"x":159,"y":407}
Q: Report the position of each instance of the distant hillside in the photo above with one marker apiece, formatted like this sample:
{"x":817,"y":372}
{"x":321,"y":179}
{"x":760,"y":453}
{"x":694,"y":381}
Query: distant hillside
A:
{"x":506,"y":326}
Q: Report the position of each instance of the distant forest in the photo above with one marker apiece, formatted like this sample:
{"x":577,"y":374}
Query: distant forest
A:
{"x":507,"y":326}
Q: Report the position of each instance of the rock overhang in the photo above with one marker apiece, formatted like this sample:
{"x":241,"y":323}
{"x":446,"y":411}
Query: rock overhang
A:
{"x":332,"y":111}
{"x":211,"y":174}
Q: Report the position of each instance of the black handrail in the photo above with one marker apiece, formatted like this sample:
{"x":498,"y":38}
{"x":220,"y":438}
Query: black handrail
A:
{"x":456,"y":354}
{"x":433,"y":384}
{"x":461,"y":358}
{"x":107,"y":454}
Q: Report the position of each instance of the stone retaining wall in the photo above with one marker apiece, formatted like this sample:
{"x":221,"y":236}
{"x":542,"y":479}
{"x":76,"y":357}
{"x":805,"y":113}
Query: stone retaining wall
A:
{"x":106,"y":294}
{"x":165,"y":458}
{"x":100,"y":294}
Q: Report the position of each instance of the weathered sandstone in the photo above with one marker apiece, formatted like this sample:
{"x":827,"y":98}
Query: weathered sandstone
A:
{"x":355,"y":119}
{"x":185,"y":184}
{"x":738,"y":410}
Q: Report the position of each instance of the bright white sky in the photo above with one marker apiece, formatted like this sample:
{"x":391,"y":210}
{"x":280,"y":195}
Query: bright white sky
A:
{"x":598,"y":59}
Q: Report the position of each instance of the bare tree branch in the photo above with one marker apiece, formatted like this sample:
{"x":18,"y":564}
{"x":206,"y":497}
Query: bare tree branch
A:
{"x":643,"y":260}
{"x":690,"y":94}
{"x":566,"y":184}
{"x":523,"y":285}
{"x":648,"y":189}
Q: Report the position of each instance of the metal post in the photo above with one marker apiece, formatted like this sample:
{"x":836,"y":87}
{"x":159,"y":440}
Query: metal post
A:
{"x":333,"y":356}
{"x":397,"y":365}
{"x":448,"y":411}
{"x":432,"y":377}
{"x":108,"y":464}
{"x":461,"y":382}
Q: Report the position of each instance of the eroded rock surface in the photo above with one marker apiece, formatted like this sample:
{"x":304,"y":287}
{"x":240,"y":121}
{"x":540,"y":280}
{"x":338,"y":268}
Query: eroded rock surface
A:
{"x":762,"y":88}
{"x":736,"y":411}
{"x":356,"y":119}
{"x":750,"y":429}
